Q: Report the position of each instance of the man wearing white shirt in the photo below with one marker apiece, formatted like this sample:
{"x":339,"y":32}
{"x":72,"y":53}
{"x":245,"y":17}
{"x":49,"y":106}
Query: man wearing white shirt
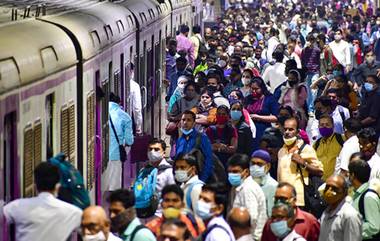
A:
{"x":368,"y":142}
{"x":341,"y":50}
{"x":350,"y":146}
{"x":274,"y":74}
{"x":44,"y":217}
{"x":273,"y":41}
{"x":135,"y":102}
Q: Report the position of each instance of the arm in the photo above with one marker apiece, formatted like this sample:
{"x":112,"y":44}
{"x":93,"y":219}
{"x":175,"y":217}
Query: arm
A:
{"x":352,"y":227}
{"x":371,"y":225}
{"x":128,"y":133}
{"x":207,"y":152}
{"x":191,"y":55}
{"x":374,"y":114}
{"x":137,"y":108}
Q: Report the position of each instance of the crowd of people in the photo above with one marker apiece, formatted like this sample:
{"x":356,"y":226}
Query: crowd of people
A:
{"x":273,"y":127}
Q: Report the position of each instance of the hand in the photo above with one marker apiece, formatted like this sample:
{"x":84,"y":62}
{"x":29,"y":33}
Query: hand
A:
{"x":298,"y":159}
{"x":139,"y":132}
{"x":254,"y":116}
{"x":348,"y":68}
{"x":378,"y":72}
{"x":356,"y":86}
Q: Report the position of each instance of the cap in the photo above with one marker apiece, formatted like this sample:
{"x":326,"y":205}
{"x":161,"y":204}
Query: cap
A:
{"x":264,"y":155}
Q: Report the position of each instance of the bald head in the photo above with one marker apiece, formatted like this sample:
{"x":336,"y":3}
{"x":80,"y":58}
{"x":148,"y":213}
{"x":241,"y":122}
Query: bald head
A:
{"x":94,"y":220}
{"x":240,"y":221}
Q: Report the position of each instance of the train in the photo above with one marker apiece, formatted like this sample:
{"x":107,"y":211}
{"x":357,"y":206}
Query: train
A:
{"x":59,"y":60}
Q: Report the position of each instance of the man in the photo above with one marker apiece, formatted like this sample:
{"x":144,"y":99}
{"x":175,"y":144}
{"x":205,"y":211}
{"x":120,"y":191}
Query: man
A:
{"x":274,"y":74}
{"x":272,"y":142}
{"x":295,"y":156}
{"x":368,"y":141}
{"x":340,"y":221}
{"x":172,"y":204}
{"x":369,"y":111}
{"x":185,"y":45}
{"x":258,"y":60}
{"x":369,"y":67}
{"x":196,"y":40}
{"x":365,"y":200}
{"x":135,"y":103}
{"x":351,"y":145}
{"x":273,"y":41}
{"x":121,"y":133}
{"x":171,"y":56}
{"x":188,"y":141}
{"x":123,"y":217}
{"x":210,"y":208}
{"x":247,"y":193}
{"x":214,"y":83}
{"x":41,"y":217}
{"x":186,"y":172}
{"x":174,"y":229}
{"x":96,"y":225}
{"x":339,"y":112}
{"x":235,"y":82}
{"x":259,"y":169}
{"x":305,"y":224}
{"x":328,"y":146}
{"x":240,"y":223}
{"x":180,"y":70}
{"x":341,"y":51}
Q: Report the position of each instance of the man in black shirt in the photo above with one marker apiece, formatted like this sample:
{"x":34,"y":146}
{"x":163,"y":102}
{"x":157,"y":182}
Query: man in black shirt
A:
{"x":370,"y":108}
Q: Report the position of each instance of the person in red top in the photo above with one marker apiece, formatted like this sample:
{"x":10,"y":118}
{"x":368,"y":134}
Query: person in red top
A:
{"x":304,"y":223}
{"x":172,"y":205}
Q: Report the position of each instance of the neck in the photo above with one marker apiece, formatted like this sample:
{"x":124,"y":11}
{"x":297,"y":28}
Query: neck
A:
{"x":356,"y":184}
{"x":240,"y":232}
{"x":335,"y":205}
{"x":235,"y":122}
{"x":292,"y":145}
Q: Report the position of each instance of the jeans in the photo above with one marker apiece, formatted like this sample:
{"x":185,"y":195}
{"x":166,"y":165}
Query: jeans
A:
{"x":311,"y":94}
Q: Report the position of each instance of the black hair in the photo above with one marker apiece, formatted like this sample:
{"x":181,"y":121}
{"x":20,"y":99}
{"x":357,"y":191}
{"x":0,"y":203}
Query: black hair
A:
{"x":46,"y":176}
{"x":278,"y":56}
{"x":289,"y":209}
{"x":172,"y":41}
{"x":357,"y":154}
{"x":368,"y":134}
{"x":208,"y":92}
{"x":125,"y":196}
{"x":224,"y":107}
{"x":177,"y":222}
{"x":327,"y":117}
{"x":324,"y":100}
{"x":214,"y":76}
{"x":189,"y":112}
{"x":184,"y":29}
{"x":196,"y":29}
{"x":273,"y":139}
{"x":287,"y":108}
{"x":114,"y":98}
{"x":189,"y":159}
{"x":260,"y":82}
{"x":353,"y":125}
{"x":360,"y":169}
{"x":293,"y":118}
{"x":174,"y":188}
{"x":220,"y":192}
{"x":374,"y":77}
{"x":286,"y":184}
{"x":157,"y":140}
{"x":191,"y":83}
{"x":181,"y":59}
{"x":240,"y":160}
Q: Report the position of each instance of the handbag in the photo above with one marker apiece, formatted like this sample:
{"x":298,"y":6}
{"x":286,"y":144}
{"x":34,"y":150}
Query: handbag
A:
{"x":171,"y":128}
{"x":123,"y":153}
{"x":314,"y":203}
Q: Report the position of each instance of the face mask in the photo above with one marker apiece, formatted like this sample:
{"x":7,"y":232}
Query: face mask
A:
{"x":191,"y":94}
{"x":368,"y":87}
{"x":181,"y":86}
{"x":326,"y":132}
{"x":234,"y":179}
{"x":212,"y":88}
{"x":221,"y":120}
{"x":186,"y":132}
{"x":246,"y":81}
{"x":337,"y":73}
{"x":222,"y":63}
{"x":120,"y":222}
{"x":337,"y":37}
{"x":330,"y":196}
{"x":171,"y":212}
{"x":236,"y":115}
{"x":290,"y":141}
{"x":203,"y":210}
{"x":154,"y":156}
{"x":370,"y":60}
{"x":292,"y":83}
{"x":282,"y":119}
{"x":280,"y":229}
{"x":257,"y":171}
{"x":96,"y":237}
{"x":181,"y":176}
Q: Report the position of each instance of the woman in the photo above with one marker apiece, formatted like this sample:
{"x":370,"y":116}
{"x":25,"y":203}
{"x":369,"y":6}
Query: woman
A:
{"x":246,"y":78}
{"x":205,"y":111}
{"x":187,"y":102}
{"x":262,"y":107}
{"x":293,"y":93}
{"x":244,"y":131}
{"x":223,"y":136}
{"x":178,"y":92}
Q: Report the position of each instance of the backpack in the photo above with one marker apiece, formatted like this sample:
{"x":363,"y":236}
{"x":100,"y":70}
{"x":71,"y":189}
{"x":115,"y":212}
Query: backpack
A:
{"x":226,"y":134}
{"x":188,"y":193}
{"x":338,"y":137}
{"x":144,"y":189}
{"x":376,"y":237}
{"x":202,"y":46}
{"x":203,"y":236}
{"x":219,"y":173}
{"x":72,"y":185}
{"x":134,"y":232}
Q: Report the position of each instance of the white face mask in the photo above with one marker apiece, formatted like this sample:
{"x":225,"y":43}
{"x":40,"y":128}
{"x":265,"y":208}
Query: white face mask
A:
{"x":154,"y":156}
{"x":96,"y":237}
{"x":181,"y":176}
{"x":246,"y":81}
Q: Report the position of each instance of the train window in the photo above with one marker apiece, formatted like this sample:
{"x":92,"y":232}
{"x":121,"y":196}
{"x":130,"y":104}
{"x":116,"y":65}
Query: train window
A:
{"x":105,"y":131}
{"x":37,"y":135}
{"x":120,"y":26}
{"x":90,"y":140}
{"x":95,"y":38}
{"x":141,"y":17}
{"x":110,"y":77}
{"x":130,"y":20}
{"x":116,"y":81}
{"x":150,"y":13}
{"x":72,"y":137}
{"x":49,"y":107}
{"x":68,"y":132}
{"x":130,"y":52}
{"x":145,"y":17}
{"x":49,"y":58}
{"x":28,"y":162}
{"x":9,"y":73}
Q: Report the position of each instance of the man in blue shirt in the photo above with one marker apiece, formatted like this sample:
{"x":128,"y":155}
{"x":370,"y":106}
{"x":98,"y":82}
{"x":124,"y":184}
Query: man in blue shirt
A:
{"x":188,"y":141}
{"x":122,"y":124}
{"x":180,"y":69}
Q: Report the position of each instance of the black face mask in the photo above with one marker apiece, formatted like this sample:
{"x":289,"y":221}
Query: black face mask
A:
{"x":292,"y":83}
{"x":120,"y":222}
{"x":212,"y":88}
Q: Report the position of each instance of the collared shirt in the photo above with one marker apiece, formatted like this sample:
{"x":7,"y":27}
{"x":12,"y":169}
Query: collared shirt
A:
{"x":142,"y":235}
{"x":343,"y":223}
{"x":123,"y":126}
{"x":371,"y":224}
{"x":219,"y":234}
{"x":185,"y":144}
{"x":194,"y":195}
{"x":305,"y":225}
{"x":337,"y":117}
{"x":362,"y":71}
{"x":269,"y":185}
{"x":374,"y":163}
{"x":247,"y":237}
{"x":327,"y":152}
{"x":41,"y":218}
{"x":287,"y":169}
{"x":341,"y":52}
{"x":274,"y":75}
{"x":196,"y":41}
{"x":184,"y":44}
{"x":249,"y":195}
{"x":350,"y":147}
{"x":170,"y":64}
{"x":135,"y":104}
{"x":370,"y":108}
{"x":164,"y":177}
{"x":112,"y":237}
{"x":293,"y":236}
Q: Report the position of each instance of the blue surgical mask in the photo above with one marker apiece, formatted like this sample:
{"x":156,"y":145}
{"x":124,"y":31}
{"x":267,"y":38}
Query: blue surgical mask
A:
{"x":337,"y":73}
{"x":257,"y":171}
{"x":280,"y":228}
{"x":234,"y":179}
{"x":186,"y":132}
{"x":368,"y":87}
{"x":235,"y":115}
{"x":203,"y":210}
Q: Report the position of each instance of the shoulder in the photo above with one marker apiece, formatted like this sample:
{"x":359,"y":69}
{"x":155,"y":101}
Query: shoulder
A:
{"x":350,"y":213}
{"x":69,"y":208}
{"x":144,"y":235}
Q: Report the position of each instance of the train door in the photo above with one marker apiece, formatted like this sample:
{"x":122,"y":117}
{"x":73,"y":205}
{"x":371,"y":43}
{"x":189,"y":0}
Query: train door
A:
{"x":157,"y":90}
{"x":152,"y":86}
{"x":49,"y":107}
{"x":9,"y":177}
{"x":102,"y":123}
{"x":99,"y":149}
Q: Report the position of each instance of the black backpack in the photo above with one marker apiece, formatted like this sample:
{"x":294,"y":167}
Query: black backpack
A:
{"x":208,"y":230}
{"x":338,"y":137}
{"x":376,"y":237}
{"x":219,"y":173}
